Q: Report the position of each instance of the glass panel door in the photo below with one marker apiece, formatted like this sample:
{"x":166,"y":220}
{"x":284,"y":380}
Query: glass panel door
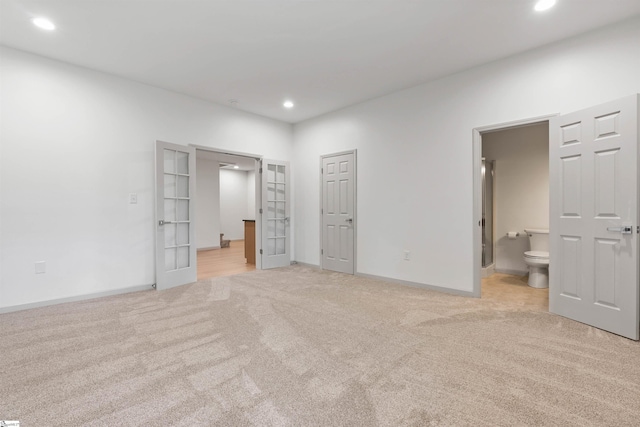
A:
{"x":275,"y":215}
{"x":175,"y":251}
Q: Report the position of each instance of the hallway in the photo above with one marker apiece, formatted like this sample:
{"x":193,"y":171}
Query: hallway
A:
{"x":223,"y":262}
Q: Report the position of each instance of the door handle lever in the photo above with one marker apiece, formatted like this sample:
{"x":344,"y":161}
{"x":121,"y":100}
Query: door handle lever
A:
{"x":163,"y":222}
{"x":349,"y":220}
{"x":625,"y":229}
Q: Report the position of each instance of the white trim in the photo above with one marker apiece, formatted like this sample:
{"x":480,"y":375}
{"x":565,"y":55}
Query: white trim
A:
{"x":257,"y":215}
{"x":321,"y":183}
{"x":84,"y":297}
{"x":512,"y":272}
{"x":489,"y":270}
{"x":355,"y":204}
{"x":417,"y":285}
{"x":229,"y":152}
{"x":476,"y":231}
{"x":339,"y":153}
{"x":304,"y":264}
{"x":208,"y":248}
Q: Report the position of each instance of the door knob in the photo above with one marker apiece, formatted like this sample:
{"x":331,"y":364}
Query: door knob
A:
{"x":625,"y":229}
{"x":349,"y":220}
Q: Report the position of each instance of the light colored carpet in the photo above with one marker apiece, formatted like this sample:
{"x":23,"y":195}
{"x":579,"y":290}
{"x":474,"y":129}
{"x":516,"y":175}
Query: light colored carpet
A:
{"x":301,"y":347}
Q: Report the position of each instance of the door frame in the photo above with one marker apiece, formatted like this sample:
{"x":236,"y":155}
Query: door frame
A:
{"x":476,"y":223}
{"x":355,"y":205}
{"x":258,"y":190}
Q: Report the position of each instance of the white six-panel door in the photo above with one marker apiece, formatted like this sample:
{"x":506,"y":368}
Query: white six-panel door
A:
{"x":594,"y":216}
{"x":175,"y":226}
{"x":338,"y":209}
{"x":275,"y":214}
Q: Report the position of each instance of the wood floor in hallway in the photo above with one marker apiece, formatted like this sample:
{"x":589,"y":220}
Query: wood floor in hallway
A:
{"x":223,"y":262}
{"x":510,"y":289}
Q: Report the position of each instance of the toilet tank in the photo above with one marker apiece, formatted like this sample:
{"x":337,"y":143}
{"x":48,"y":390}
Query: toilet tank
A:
{"x":539,"y":239}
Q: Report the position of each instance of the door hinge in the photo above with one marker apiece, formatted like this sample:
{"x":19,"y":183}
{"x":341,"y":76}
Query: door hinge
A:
{"x":260,"y":210}
{"x":321,"y":170}
{"x":322,"y":211}
{"x":638,"y":229}
{"x":260,"y":170}
{"x":260,"y":251}
{"x":321,"y":251}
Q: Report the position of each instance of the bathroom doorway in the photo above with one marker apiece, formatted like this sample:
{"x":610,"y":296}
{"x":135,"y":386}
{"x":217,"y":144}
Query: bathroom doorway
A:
{"x":511,"y":193}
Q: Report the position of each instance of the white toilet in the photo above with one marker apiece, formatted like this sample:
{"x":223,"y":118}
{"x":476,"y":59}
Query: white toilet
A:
{"x":538,"y":257}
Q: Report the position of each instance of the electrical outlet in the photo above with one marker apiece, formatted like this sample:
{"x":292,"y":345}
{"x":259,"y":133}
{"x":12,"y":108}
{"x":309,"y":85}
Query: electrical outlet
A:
{"x":133,"y":198}
{"x":41,"y":267}
{"x":407,"y":255}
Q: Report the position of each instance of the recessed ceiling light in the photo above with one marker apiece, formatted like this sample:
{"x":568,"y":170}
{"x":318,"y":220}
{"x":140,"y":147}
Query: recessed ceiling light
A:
{"x":236,"y":167}
{"x":43,"y":23}
{"x":288,"y":104}
{"x":544,"y":5}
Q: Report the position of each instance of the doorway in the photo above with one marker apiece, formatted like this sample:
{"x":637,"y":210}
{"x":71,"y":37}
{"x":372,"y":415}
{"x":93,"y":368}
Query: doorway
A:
{"x":226,"y":198}
{"x":593,"y":201}
{"x":511,"y":194}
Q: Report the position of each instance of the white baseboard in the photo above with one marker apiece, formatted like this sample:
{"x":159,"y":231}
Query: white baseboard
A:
{"x":306,"y":264}
{"x":209,"y":248}
{"x":488,"y":271}
{"x":400,"y":282}
{"x":512,"y":272}
{"x":84,"y":297}
{"x":419,"y":285}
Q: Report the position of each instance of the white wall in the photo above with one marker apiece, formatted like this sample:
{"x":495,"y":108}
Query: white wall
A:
{"x":233,"y":203}
{"x":207,"y":203}
{"x":415,"y":151}
{"x":521,"y":182}
{"x":74,"y":144}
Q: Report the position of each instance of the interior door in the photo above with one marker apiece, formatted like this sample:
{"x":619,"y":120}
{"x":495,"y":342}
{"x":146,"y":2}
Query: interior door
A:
{"x":175,"y":226}
{"x":338,"y":212}
{"x":593,"y":262}
{"x":275,"y":251}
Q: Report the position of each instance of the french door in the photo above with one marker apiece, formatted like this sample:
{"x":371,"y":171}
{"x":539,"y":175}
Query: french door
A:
{"x":276,"y":207}
{"x":175,"y":226}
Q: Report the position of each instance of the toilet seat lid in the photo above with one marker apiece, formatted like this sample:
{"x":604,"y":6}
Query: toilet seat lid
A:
{"x":536,"y":254}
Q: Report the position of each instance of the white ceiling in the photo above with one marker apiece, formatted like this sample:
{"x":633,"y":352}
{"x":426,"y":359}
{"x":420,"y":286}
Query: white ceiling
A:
{"x":322,"y":54}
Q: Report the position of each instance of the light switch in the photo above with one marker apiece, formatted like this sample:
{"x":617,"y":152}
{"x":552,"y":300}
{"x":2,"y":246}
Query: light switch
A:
{"x":41,"y":267}
{"x":133,"y":198}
